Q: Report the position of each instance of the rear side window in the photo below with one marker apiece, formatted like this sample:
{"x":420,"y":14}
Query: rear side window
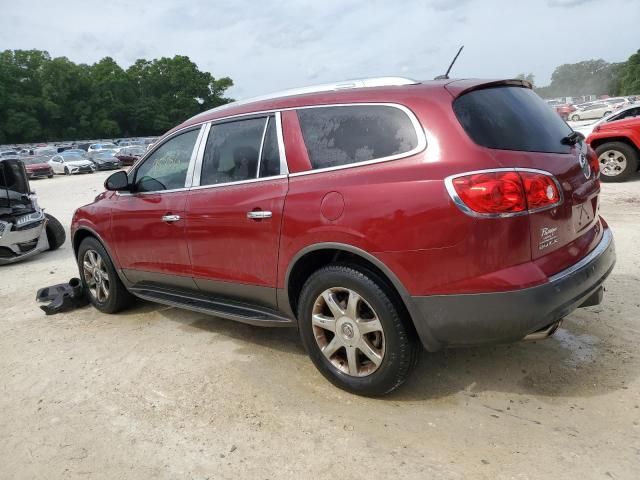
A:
{"x":341,"y":135}
{"x":511,"y":118}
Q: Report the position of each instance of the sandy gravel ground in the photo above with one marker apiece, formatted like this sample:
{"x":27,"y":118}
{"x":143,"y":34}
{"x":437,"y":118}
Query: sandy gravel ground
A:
{"x":158,"y":392}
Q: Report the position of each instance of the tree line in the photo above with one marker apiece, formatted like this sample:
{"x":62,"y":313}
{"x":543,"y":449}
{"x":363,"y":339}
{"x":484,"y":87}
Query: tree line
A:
{"x":48,"y":99}
{"x":592,"y":77}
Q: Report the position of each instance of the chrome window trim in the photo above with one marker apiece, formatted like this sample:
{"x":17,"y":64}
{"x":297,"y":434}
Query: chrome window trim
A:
{"x":264,"y":133}
{"x":197,"y":169}
{"x":239,"y":182}
{"x":605,"y":242}
{"x":284,"y":166}
{"x":188,"y":181}
{"x":268,"y":115}
{"x":448,"y":182}
{"x":192,"y":159}
{"x":420,"y":135}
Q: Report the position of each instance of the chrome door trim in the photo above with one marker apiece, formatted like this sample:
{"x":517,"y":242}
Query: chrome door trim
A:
{"x":259,"y":214}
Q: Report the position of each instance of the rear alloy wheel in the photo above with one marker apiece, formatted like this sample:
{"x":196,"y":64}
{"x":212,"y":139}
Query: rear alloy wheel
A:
{"x":618,"y":161}
{"x":99,"y":278}
{"x":348,"y":332}
{"x":575,"y":118}
{"x":355,"y":334}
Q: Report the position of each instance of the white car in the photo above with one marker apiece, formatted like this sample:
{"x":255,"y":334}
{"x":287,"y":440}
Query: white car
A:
{"x":69,"y":164}
{"x":626,"y":112}
{"x":100,"y":147}
{"x":596,"y":110}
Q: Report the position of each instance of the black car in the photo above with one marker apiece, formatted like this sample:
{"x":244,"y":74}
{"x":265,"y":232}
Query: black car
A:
{"x":106,"y":160}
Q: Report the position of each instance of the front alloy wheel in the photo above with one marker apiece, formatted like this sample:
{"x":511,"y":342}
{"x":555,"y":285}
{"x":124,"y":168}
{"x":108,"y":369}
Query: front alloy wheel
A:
{"x":348,"y":332}
{"x":96,"y":276}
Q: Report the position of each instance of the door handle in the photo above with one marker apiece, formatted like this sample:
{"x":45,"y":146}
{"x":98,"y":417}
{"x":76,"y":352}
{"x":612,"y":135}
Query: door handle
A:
{"x":170,"y":218}
{"x":259,"y":214}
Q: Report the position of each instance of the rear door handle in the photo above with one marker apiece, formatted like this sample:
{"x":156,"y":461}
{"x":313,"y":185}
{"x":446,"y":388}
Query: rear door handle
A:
{"x":171,"y":218}
{"x":259,"y":214}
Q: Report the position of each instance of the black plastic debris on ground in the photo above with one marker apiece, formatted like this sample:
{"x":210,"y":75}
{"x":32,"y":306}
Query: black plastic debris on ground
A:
{"x":62,"y":297}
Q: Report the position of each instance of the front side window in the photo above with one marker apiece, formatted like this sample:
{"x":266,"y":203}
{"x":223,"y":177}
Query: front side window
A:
{"x":232,"y":152}
{"x":166,"y":168}
{"x":341,"y":135}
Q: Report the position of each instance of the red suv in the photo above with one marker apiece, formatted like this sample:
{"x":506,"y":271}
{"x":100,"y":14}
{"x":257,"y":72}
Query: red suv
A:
{"x":376,"y":216}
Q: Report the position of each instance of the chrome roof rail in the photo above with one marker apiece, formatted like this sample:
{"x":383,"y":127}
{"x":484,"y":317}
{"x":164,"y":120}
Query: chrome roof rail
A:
{"x":324,"y":87}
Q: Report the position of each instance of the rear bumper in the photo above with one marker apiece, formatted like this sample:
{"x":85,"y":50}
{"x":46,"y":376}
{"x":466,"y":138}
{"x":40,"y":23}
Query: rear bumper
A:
{"x":471,"y":319}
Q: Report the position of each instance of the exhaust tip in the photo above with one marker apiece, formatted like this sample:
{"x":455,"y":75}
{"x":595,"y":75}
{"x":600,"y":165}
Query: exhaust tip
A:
{"x":543,"y":333}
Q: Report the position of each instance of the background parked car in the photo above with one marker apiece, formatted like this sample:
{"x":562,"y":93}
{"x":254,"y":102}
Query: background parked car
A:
{"x":564,"y":110}
{"x":617,"y":145}
{"x":99,"y":147}
{"x":626,"y":112}
{"x":129,"y":155}
{"x":596,"y":110}
{"x":71,"y":163}
{"x":37,"y":167}
{"x":106,"y":160}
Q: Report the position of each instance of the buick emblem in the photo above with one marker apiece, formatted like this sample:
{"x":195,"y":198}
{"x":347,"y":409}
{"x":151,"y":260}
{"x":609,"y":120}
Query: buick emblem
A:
{"x":586,"y":168}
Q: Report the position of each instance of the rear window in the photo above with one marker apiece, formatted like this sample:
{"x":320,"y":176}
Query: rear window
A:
{"x":341,"y":135}
{"x":511,"y":118}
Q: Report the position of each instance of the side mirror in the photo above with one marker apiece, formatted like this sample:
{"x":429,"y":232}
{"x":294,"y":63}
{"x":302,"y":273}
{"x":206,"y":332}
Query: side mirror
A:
{"x":117,"y":182}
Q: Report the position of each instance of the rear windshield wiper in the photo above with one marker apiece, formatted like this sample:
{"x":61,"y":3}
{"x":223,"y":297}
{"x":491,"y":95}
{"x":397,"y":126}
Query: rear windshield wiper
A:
{"x":573,"y":138}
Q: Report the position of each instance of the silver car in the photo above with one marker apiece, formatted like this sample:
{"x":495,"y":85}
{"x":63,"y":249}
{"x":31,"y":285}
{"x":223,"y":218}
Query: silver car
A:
{"x":595,"y":110}
{"x":25,"y":229}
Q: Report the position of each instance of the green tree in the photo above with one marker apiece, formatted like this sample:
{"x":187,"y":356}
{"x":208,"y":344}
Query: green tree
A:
{"x":44,"y":99}
{"x":629,"y":76}
{"x":590,"y":77}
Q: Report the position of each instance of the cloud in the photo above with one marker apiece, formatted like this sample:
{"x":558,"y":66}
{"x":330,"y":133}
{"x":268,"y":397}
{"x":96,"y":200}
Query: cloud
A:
{"x":277,"y":44}
{"x":568,"y":3}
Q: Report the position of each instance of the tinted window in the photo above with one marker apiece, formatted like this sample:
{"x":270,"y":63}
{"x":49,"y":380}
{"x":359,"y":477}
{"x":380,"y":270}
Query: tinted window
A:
{"x":166,"y":168}
{"x":511,"y":118}
{"x":270,"y":161}
{"x":231,"y":153}
{"x":341,"y":135}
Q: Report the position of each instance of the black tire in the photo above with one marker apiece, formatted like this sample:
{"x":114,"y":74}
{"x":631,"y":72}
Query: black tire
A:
{"x":575,"y":118}
{"x":119,"y":297}
{"x":630,"y":154}
{"x":55,"y":232}
{"x":66,"y":171}
{"x":50,"y":176}
{"x":401,"y":347}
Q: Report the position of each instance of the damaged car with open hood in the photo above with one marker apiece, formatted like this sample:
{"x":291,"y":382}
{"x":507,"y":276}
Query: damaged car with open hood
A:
{"x":25,"y":229}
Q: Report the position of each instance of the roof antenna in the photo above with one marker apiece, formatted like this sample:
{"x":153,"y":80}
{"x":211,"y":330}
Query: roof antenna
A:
{"x":446,"y":75}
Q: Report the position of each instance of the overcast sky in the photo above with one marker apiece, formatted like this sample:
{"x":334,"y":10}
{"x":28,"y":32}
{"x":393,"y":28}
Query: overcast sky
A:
{"x":268,"y":45}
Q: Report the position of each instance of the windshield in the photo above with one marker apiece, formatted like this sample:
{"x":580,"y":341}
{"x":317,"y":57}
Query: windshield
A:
{"x":14,"y":186}
{"x":511,"y":118}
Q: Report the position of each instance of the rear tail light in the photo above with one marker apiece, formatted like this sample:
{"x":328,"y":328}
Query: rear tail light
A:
{"x":504,"y":192}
